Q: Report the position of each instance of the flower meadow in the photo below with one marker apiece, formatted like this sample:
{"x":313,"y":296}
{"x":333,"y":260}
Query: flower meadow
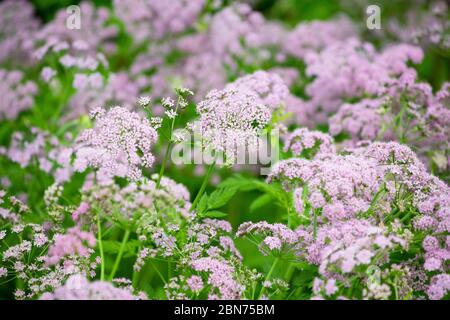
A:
{"x":103,"y":195}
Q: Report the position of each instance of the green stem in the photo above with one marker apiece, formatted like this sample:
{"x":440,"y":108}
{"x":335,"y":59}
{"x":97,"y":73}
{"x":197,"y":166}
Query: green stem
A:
{"x":135,"y":279}
{"x":163,"y":165}
{"x":100,"y":245}
{"x":203,"y":187}
{"x":166,"y":156}
{"x":289,"y":272}
{"x":269,"y":274}
{"x":157,"y":271}
{"x":119,"y":255}
{"x":289,"y":216}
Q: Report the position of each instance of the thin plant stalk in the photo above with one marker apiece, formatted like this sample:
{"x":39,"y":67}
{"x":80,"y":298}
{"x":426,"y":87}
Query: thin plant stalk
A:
{"x":269,"y":274}
{"x":203,"y":186}
{"x":169,"y":146}
{"x":119,"y":255}
{"x":100,"y":245}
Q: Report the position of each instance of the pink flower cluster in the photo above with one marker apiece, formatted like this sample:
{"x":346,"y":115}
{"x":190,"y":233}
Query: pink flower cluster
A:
{"x":52,"y":156}
{"x":304,"y":140}
{"x":77,"y":287}
{"x":352,"y":69}
{"x":119,"y":89}
{"x":16,"y":94}
{"x":154,"y":19}
{"x":80,"y":47}
{"x":268,"y":87}
{"x":230,"y":119}
{"x":73,"y":242}
{"x":221,"y":277}
{"x":18,"y":26}
{"x":276,"y":236}
{"x":314,"y":36}
{"x":119,"y":144}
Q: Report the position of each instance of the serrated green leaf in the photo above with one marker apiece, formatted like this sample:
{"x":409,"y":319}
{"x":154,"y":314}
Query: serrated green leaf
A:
{"x":213,"y":214}
{"x":202,"y":204}
{"x":242,"y":183}
{"x":221,"y":196}
{"x":282,"y":198}
{"x":260,"y":202}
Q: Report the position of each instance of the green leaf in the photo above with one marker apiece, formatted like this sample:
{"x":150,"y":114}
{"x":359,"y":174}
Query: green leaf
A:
{"x":282,"y":198}
{"x":213,"y":214}
{"x":202,"y":204}
{"x":242,"y":183}
{"x":113,"y":247}
{"x":221,"y":196}
{"x":260,"y":202}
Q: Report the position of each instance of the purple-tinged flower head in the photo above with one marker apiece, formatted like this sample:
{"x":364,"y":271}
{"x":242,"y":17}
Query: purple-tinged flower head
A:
{"x":401,"y":161}
{"x":74,"y":242}
{"x":327,"y":287}
{"x":230,"y":119}
{"x":119,"y":144}
{"x":427,"y":27}
{"x":93,"y":91}
{"x":302,"y":112}
{"x":268,"y":87}
{"x":437,"y":127}
{"x":82,"y":209}
{"x":277,"y":237}
{"x":80,"y":47}
{"x":52,"y":156}
{"x":202,"y":73}
{"x":210,"y":238}
{"x":221,"y":276}
{"x":439,"y":286}
{"x":17,"y":95}
{"x":67,"y":253}
{"x":3,"y":272}
{"x":352,"y":242}
{"x":152,"y":57}
{"x":218,"y":224}
{"x":435,"y":254}
{"x":11,"y":209}
{"x":18,"y":25}
{"x":362,"y":120}
{"x":395,"y":57}
{"x":170,"y":201}
{"x":372,"y":119}
{"x":306,"y":142}
{"x":77,"y":287}
{"x":341,"y":185}
{"x":315,"y":36}
{"x":288,"y":75}
{"x":155,"y":19}
{"x":237,"y":28}
{"x":47,"y":74}
{"x":352,"y":69}
{"x":195,"y":283}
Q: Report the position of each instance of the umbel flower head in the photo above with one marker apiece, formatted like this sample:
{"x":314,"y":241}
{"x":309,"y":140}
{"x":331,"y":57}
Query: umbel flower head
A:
{"x":268,"y":87}
{"x":118,"y":145}
{"x":78,"y":287}
{"x":230,"y":119}
{"x":17,"y":94}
